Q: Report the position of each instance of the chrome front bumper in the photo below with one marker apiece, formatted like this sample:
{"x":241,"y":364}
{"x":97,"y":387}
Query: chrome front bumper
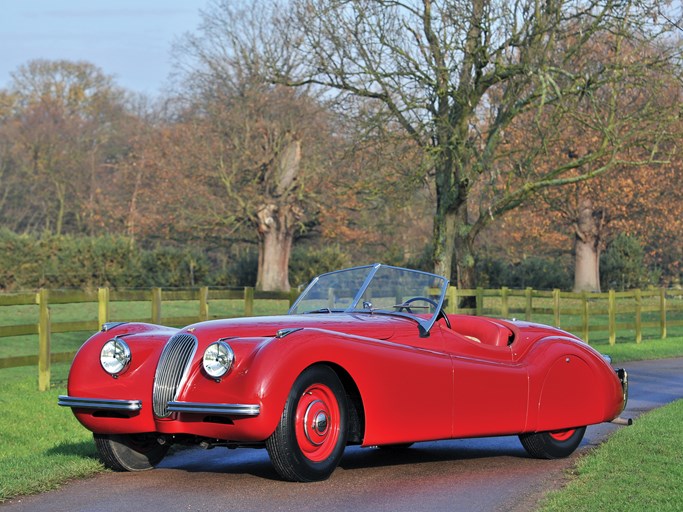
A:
{"x":99,"y":403}
{"x":136,"y":405}
{"x":219,"y":409}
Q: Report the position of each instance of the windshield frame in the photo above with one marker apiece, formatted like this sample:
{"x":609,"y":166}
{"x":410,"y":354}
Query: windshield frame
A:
{"x":425,"y":324}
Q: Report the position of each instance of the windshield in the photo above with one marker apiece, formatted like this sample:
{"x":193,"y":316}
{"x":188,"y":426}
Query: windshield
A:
{"x":376,"y":289}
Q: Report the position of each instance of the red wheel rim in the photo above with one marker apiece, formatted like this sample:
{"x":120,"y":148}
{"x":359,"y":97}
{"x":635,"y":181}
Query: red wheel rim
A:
{"x":562,"y":435}
{"x":317,"y":422}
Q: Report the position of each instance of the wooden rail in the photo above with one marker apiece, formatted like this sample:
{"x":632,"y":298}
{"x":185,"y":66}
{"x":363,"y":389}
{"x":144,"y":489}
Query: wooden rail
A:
{"x":594,"y":311}
{"x":45,"y":327}
{"x":581,"y":313}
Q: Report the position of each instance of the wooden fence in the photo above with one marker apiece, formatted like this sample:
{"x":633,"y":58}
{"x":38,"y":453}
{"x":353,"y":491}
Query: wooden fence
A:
{"x":581,"y":313}
{"x":45,"y":327}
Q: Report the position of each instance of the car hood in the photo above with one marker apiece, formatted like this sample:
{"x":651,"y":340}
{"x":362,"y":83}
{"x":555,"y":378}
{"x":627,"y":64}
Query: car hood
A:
{"x":368,"y":325}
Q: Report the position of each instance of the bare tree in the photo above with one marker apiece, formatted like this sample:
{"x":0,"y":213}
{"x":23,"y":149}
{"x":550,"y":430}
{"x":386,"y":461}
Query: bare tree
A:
{"x":455,"y":75}
{"x":266,"y":142}
{"x":60,"y":128}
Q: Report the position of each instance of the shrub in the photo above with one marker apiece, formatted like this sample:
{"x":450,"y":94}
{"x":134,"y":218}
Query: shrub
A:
{"x":306,"y":263}
{"x":237,"y":269}
{"x":173,"y":267}
{"x":29,"y":262}
{"x":535,"y":272}
{"x":88,"y":262}
{"x":622,"y":265}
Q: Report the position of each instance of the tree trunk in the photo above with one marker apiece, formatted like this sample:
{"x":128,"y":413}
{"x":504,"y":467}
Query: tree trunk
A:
{"x":277,"y":221}
{"x":587,"y":247}
{"x":453,"y":242}
{"x":444,"y":240}
{"x":276,"y":233}
{"x":463,"y":258}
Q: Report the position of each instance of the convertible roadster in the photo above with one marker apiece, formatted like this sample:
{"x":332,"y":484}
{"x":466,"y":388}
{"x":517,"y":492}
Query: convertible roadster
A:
{"x":366,"y":356}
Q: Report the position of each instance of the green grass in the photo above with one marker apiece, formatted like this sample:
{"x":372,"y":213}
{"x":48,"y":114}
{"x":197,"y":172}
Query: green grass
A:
{"x":648,"y":349}
{"x":41,"y":445}
{"x":638,"y":468}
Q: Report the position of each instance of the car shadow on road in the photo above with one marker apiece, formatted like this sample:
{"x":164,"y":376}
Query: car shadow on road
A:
{"x":84,"y":449}
{"x":255,"y":462}
{"x":436,"y":451}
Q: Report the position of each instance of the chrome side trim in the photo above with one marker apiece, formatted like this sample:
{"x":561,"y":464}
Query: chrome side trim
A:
{"x":99,"y":403}
{"x":209,"y":408}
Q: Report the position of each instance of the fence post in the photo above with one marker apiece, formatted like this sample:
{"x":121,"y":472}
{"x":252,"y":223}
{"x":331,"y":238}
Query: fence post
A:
{"x":584,"y":314}
{"x":662,"y":312}
{"x":480,"y":301}
{"x":156,"y":305}
{"x":556,"y":307}
{"x":42,"y":299}
{"x":452,"y":298}
{"x":102,"y":305}
{"x":504,"y":305}
{"x":529,"y":304}
{"x":639,"y":308}
{"x":612,"y":315}
{"x":203,"y":303}
{"x":248,"y":301}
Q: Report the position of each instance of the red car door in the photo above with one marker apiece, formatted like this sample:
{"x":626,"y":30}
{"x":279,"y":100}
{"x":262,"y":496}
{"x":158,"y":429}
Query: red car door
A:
{"x":490,"y":391}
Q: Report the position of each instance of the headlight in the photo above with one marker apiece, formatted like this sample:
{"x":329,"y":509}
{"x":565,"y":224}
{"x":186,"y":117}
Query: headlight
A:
{"x":115,"y":356}
{"x":218,"y":359}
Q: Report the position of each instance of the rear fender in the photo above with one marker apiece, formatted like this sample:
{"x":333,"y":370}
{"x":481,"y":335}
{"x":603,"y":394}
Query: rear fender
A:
{"x":570,"y":385}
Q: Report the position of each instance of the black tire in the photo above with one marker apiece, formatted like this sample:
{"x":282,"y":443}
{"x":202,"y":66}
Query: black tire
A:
{"x":130,"y":452}
{"x":553,"y":445}
{"x":310,"y":438}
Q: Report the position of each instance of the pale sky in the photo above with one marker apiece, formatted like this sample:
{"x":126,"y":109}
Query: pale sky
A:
{"x":129,"y":39}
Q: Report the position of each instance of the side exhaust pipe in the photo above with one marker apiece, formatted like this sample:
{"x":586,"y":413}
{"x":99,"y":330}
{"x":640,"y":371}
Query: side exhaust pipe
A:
{"x":622,"y":421}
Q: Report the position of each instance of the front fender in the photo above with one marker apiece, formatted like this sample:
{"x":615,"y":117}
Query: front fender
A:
{"x":397,"y":383}
{"x":88,"y":379}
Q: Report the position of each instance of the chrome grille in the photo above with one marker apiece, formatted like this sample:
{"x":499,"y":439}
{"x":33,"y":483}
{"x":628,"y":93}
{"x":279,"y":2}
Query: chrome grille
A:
{"x":173,"y":364}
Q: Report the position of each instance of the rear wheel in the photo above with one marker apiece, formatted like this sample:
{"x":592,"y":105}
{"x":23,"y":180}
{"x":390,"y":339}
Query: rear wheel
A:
{"x":130,"y":452}
{"x":553,"y":445}
{"x":309,"y":441}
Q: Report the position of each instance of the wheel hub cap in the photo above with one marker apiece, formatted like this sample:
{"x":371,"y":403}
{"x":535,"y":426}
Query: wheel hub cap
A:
{"x":320,"y":423}
{"x":315,"y":422}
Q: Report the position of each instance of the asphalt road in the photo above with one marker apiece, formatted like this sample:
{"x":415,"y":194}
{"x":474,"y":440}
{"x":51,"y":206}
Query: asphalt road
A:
{"x":487,"y":474}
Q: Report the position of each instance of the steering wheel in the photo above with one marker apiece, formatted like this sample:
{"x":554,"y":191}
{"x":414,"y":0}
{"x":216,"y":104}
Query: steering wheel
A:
{"x":406,"y":306}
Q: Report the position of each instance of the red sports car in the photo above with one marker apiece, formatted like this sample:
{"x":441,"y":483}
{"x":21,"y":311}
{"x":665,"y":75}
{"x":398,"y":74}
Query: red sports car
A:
{"x":365,"y":356}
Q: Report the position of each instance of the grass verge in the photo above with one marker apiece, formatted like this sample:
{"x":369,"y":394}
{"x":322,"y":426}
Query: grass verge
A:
{"x":638,"y":468}
{"x":648,"y":349}
{"x":41,"y":445}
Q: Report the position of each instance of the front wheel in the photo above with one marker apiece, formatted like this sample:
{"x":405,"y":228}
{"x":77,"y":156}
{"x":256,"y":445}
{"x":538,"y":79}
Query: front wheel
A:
{"x":310,"y":438}
{"x":553,"y":445}
{"x":130,"y":452}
